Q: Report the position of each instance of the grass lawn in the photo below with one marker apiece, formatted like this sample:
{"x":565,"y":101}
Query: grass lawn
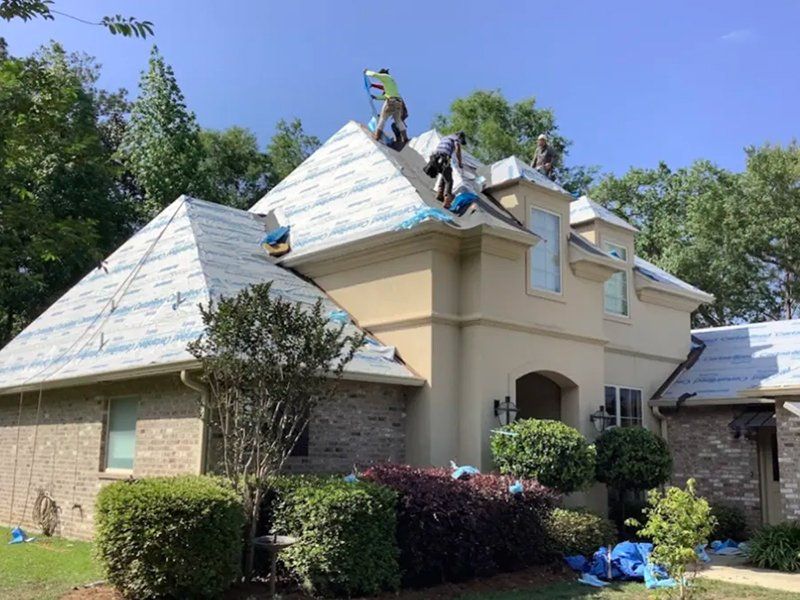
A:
{"x":705,"y":590}
{"x":44,"y":569}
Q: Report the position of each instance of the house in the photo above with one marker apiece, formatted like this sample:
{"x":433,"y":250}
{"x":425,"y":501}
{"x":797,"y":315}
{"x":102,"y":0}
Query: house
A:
{"x":532,"y":301}
{"x":732,"y":418}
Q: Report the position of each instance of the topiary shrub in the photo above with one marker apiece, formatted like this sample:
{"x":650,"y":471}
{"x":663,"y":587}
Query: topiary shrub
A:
{"x":451,"y":530}
{"x":731,"y":523}
{"x":632,"y":458}
{"x":579,"y":531}
{"x":554,"y":454}
{"x":170,"y":537}
{"x":777,"y":547}
{"x":346,"y":535}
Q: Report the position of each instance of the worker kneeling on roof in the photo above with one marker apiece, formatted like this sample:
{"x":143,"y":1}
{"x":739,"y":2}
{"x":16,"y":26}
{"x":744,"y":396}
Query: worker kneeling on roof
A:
{"x":439,"y":164}
{"x":393,"y":105}
{"x":543,"y":157}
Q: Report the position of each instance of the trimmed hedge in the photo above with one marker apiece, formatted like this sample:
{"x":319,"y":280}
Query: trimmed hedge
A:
{"x":346,"y":534}
{"x":632,"y":458}
{"x":554,"y":454}
{"x":777,"y":547}
{"x":170,"y":537}
{"x":731,"y":523}
{"x":450,"y":530}
{"x":579,"y":531}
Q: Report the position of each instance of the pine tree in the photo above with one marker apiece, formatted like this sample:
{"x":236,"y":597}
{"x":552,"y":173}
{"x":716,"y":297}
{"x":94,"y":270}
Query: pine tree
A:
{"x":161,"y":145}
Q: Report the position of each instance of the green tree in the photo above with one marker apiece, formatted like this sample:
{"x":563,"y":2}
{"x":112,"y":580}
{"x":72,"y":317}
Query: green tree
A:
{"x":59,"y":209}
{"x":727,"y":233}
{"x":678,"y":521}
{"x":267,"y":363}
{"x":233,"y":171}
{"x":289,"y":147}
{"x":161,"y":145}
{"x":768,"y":215}
{"x":496,"y":128}
{"x":31,"y":9}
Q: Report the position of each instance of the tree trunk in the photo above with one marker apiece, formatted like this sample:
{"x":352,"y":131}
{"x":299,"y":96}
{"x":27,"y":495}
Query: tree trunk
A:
{"x":252,"y":528}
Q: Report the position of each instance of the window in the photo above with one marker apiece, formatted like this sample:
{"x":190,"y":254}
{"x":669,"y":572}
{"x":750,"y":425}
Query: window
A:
{"x":546,"y":255}
{"x":121,"y":433}
{"x":616,"y":288}
{"x":625,"y":404}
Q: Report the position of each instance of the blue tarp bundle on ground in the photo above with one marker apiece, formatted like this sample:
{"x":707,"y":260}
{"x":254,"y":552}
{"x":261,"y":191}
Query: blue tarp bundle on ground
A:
{"x":628,"y":561}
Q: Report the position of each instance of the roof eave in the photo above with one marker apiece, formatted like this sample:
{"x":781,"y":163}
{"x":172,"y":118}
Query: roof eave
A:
{"x":672,"y":402}
{"x":656,"y":292}
{"x":177,"y":367}
{"x":771,"y":391}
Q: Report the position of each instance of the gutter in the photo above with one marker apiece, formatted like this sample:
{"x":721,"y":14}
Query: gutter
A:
{"x":203,"y":390}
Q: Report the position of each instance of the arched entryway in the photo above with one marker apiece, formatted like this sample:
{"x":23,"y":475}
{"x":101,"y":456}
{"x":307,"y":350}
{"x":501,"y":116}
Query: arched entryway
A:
{"x":543,"y":395}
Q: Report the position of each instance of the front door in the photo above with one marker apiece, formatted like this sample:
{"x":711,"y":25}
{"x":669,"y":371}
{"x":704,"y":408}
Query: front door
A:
{"x":769,"y":475}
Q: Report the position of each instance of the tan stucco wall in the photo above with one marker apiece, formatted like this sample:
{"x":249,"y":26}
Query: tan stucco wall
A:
{"x":462,"y":315}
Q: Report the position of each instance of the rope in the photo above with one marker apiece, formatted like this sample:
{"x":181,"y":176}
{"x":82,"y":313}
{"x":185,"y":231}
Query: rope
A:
{"x":123,"y":287}
{"x":16,"y":458}
{"x":33,"y":455}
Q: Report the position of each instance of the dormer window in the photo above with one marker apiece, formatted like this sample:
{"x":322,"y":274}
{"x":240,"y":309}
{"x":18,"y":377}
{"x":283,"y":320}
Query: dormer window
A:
{"x":616,"y":288}
{"x":546,"y":255}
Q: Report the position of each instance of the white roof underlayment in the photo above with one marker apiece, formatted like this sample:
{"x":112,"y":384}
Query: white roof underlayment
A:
{"x":741,"y":358}
{"x":141,"y":308}
{"x":354,"y":188}
{"x":585,"y":210}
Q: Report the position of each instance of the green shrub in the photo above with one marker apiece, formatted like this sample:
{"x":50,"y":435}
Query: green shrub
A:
{"x":731,"y":523}
{"x":346,"y":534}
{"x":554,"y":454}
{"x":632,"y":458}
{"x":170,"y":537}
{"x":579,"y":531}
{"x":677,"y":521}
{"x":777,"y":547}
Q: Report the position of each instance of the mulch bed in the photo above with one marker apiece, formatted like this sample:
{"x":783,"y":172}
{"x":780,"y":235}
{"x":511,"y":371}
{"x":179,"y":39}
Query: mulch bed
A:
{"x":519,"y":580}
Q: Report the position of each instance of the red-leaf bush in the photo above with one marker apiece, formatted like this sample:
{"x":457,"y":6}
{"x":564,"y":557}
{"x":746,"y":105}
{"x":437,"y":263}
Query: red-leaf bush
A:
{"x":451,"y":530}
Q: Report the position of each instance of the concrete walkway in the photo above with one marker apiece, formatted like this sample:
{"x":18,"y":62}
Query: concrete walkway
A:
{"x":734,"y":570}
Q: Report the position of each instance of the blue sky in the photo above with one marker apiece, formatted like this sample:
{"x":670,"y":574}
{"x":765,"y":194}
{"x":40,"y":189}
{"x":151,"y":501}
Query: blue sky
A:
{"x":631,"y":82}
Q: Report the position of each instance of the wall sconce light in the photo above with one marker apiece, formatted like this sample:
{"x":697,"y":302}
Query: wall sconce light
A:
{"x":601,"y":419}
{"x":505,"y":411}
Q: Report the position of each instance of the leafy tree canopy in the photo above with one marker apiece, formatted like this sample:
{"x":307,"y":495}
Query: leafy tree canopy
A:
{"x":60,"y":212}
{"x":32,"y":9}
{"x":497,"y":128}
{"x":727,"y":233}
{"x":289,"y":147}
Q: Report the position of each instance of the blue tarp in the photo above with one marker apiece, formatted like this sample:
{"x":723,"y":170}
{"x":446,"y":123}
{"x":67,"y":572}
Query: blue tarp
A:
{"x":423,"y":214}
{"x":462,"y":202}
{"x":276,"y":236}
{"x":629,"y":561}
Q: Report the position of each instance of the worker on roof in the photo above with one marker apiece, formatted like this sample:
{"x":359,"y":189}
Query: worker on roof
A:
{"x":543,"y":157}
{"x":440,"y":163}
{"x":393,"y":105}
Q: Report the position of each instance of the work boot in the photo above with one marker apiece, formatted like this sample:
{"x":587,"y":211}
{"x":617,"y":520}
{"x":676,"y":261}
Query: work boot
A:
{"x":448,"y":200}
{"x":378,"y":134}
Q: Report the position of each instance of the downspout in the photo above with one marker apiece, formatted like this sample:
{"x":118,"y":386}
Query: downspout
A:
{"x":662,"y":421}
{"x":203,"y":391}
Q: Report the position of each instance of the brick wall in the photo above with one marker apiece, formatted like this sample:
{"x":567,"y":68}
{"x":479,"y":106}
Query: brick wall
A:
{"x":69,"y":446}
{"x":789,"y":461}
{"x":726,"y":469}
{"x":364,"y":424}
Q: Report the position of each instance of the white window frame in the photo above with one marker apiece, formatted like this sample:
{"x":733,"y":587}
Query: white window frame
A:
{"x":106,"y":455}
{"x":532,"y":286}
{"x":618,"y":402}
{"x":627,"y":279}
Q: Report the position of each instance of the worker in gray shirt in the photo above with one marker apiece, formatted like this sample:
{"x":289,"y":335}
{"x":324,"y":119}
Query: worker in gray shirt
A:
{"x":544,"y":157}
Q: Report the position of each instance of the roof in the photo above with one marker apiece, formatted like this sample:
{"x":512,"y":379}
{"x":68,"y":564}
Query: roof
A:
{"x":354,"y":188}
{"x":512,"y":169}
{"x":739,"y":360}
{"x":141,"y":308}
{"x":667,"y":282}
{"x":585,"y":210}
